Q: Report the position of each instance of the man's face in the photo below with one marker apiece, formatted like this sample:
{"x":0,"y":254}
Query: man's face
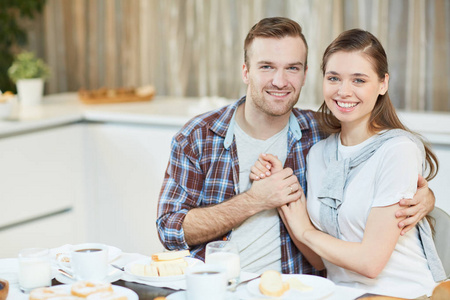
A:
{"x":275,"y":74}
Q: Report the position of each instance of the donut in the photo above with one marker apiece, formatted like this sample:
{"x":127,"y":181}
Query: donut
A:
{"x":47,"y":293}
{"x":86,"y":288}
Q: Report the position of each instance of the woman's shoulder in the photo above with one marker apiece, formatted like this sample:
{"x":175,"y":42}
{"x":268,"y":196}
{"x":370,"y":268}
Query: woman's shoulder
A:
{"x":318,"y":147}
{"x":316,"y":151}
{"x":399,"y":144}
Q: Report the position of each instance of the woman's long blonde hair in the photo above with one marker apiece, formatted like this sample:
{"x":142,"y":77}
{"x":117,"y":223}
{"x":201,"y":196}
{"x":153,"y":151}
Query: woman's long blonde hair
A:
{"x":383,"y":115}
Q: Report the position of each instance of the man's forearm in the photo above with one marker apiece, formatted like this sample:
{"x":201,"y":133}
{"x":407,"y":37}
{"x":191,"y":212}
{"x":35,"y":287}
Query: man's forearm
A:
{"x":205,"y":224}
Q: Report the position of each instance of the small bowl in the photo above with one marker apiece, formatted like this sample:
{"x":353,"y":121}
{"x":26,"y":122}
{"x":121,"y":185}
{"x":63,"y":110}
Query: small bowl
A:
{"x":4,"y":289}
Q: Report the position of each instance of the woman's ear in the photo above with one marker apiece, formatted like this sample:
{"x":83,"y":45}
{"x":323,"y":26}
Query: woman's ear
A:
{"x":384,"y":84}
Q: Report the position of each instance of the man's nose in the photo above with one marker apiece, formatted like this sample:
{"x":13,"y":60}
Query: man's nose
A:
{"x":280,"y":79}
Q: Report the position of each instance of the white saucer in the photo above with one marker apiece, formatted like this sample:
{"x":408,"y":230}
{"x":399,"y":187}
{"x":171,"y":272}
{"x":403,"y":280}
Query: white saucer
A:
{"x":114,"y":275}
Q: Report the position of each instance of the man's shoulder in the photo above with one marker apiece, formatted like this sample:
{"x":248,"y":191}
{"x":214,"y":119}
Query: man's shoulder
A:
{"x":216,"y":121}
{"x":306,"y":117}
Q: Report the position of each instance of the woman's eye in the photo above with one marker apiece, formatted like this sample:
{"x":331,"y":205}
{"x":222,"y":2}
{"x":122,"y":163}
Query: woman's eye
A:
{"x":359,"y":80}
{"x":332,"y":78}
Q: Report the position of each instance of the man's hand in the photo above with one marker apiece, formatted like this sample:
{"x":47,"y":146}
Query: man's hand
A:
{"x":416,"y":208}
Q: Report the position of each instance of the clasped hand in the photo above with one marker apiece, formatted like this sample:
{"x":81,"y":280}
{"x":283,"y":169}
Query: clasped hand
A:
{"x":293,"y":210}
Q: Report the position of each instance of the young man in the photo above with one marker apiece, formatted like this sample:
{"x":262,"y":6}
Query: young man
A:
{"x":207,"y":194}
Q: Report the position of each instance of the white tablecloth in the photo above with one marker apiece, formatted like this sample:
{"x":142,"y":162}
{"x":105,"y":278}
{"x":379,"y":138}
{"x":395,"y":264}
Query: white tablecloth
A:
{"x":9,"y":271}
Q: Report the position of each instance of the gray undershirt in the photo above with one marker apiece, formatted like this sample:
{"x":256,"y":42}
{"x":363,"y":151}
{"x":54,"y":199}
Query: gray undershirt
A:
{"x":258,"y":238}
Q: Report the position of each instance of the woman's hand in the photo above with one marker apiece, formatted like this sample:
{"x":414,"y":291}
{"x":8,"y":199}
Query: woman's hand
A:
{"x":266,"y":165}
{"x":295,"y":217}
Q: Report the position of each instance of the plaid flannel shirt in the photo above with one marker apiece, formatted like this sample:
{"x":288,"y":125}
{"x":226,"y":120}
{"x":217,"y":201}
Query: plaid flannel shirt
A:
{"x":203,"y":170}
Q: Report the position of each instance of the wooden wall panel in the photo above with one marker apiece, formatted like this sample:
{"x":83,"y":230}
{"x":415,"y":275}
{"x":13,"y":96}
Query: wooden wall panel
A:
{"x":194,"y":47}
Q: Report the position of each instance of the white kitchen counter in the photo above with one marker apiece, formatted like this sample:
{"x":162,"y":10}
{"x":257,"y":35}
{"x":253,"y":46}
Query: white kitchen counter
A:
{"x":60,"y":109}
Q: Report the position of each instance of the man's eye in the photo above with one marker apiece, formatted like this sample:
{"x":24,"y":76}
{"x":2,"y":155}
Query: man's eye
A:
{"x":266,"y":67}
{"x":293,"y":68}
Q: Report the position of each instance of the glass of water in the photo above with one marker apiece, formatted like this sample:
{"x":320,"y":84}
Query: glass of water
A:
{"x":226,"y":255}
{"x":34,"y":269}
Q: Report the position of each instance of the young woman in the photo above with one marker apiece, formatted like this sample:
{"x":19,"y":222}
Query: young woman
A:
{"x":358,"y":175}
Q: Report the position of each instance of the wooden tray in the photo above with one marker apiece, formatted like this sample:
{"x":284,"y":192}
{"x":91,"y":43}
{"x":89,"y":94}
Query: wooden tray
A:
{"x":104,"y":96}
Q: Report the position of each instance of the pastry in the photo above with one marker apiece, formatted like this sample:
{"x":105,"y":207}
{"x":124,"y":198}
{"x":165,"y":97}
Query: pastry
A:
{"x":48,"y":293}
{"x":441,"y":291}
{"x":86,"y":288}
{"x":271,"y":284}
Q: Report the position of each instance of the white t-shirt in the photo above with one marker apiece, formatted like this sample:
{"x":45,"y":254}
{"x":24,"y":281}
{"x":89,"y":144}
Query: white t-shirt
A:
{"x":258,"y":238}
{"x":384,"y":179}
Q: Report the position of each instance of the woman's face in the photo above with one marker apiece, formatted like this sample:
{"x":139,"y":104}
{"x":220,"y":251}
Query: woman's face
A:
{"x":351,"y":87}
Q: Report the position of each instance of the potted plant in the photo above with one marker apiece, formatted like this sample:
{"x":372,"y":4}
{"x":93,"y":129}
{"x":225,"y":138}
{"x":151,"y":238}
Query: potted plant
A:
{"x":29,"y":74}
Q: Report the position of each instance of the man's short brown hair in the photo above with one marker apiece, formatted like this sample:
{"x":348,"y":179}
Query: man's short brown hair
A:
{"x":275,"y":27}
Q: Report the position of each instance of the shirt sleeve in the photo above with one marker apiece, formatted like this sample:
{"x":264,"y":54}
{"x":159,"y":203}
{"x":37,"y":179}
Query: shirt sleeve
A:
{"x":398,"y":172}
{"x":182,"y":185}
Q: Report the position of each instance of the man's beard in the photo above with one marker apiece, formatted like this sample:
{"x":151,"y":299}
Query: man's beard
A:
{"x":259,"y":100}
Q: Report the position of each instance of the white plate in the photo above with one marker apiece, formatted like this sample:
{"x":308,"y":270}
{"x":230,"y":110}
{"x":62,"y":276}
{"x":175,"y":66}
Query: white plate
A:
{"x":322,"y":287}
{"x":130,"y":294}
{"x":114,"y":275}
{"x":146,"y":261}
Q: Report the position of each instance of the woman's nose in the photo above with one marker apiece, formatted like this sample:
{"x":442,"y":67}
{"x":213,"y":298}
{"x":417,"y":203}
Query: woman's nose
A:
{"x":345,"y":89}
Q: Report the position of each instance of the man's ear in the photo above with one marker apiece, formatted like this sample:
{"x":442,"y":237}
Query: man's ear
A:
{"x":245,"y":73}
{"x":384,"y":84}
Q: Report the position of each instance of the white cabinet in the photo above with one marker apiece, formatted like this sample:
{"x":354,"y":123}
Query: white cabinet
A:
{"x":49,"y":232}
{"x":40,"y":173}
{"x":126,"y":170}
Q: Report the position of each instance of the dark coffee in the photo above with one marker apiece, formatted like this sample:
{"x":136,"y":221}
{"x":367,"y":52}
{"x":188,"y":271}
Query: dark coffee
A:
{"x":205,"y":273}
{"x":88,"y":250}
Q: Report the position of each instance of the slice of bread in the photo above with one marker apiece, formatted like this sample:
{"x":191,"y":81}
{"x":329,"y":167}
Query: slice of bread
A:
{"x":296,"y":284}
{"x":170,"y":255}
{"x":178,"y":261}
{"x":271,"y":284}
{"x":151,"y":271}
{"x":138,"y":269}
{"x":170,"y":270}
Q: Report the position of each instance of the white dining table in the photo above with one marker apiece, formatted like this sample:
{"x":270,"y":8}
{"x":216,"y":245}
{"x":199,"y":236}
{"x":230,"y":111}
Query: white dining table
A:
{"x":9,"y":268}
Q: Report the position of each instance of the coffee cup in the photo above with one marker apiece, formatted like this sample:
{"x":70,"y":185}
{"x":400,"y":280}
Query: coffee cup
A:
{"x":205,"y":282}
{"x":89,"y":261}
